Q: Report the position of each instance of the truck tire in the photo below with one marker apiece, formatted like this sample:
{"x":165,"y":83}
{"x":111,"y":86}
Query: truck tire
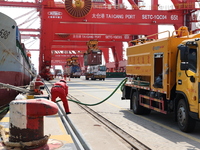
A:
{"x":137,"y":109}
{"x":146,"y":111}
{"x":92,"y":77}
{"x":185,"y":122}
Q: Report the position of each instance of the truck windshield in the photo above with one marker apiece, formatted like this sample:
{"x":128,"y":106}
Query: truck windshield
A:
{"x":192,"y":59}
{"x":102,"y":68}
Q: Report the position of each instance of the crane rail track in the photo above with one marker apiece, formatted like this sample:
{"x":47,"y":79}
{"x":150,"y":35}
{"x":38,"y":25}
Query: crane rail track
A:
{"x":70,"y":128}
{"x":129,"y":139}
{"x":134,"y":143}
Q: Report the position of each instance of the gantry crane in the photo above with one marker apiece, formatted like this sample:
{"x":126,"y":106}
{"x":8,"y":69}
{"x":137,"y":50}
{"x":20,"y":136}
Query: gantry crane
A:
{"x":67,"y":26}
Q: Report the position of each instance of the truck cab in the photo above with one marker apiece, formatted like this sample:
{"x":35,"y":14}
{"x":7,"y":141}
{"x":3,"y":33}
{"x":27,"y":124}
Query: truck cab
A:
{"x":75,"y":71}
{"x":188,"y":83}
{"x":96,"y":72}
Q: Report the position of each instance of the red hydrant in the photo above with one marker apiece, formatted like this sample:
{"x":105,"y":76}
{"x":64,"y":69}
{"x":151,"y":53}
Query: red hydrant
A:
{"x":26,"y":119}
{"x":38,"y":85}
{"x":38,"y":78}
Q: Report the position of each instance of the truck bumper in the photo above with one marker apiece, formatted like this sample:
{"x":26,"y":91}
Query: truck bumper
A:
{"x":100,"y":76}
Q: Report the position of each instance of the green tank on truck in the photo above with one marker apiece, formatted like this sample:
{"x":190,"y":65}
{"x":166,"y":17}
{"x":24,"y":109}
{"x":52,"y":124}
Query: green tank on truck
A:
{"x":164,"y":77}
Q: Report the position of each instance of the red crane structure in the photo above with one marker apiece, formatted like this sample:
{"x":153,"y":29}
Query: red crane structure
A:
{"x":66,"y":26}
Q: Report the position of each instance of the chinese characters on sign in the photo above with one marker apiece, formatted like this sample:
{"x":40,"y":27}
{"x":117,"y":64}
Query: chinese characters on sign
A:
{"x":133,"y":16}
{"x":112,"y":37}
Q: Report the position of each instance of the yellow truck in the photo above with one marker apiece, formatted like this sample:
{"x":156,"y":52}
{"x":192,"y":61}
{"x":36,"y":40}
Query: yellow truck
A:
{"x":164,"y":76}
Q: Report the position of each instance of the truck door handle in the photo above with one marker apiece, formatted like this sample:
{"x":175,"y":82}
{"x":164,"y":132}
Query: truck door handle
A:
{"x":180,"y":82}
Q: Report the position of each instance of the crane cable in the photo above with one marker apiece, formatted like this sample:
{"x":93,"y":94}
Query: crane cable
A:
{"x":122,"y":83}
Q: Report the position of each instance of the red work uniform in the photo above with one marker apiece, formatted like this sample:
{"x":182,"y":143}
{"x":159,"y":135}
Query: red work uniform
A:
{"x":60,"y":89}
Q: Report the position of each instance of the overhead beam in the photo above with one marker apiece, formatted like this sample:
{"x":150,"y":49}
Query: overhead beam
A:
{"x":29,"y":30}
{"x":69,"y":48}
{"x":117,"y":16}
{"x":34,"y":50}
{"x":104,"y":29}
{"x":20,"y":4}
{"x":83,"y":44}
{"x":28,"y":36}
{"x":87,"y":37}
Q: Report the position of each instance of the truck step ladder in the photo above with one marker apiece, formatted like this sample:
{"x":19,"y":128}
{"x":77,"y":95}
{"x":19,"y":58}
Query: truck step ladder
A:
{"x":159,"y":107}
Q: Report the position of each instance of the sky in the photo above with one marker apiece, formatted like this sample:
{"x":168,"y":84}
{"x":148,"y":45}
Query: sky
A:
{"x":33,"y":43}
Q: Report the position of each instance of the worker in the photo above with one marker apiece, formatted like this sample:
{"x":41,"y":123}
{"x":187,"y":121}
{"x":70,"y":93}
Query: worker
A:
{"x":158,"y":81}
{"x":60,"y":89}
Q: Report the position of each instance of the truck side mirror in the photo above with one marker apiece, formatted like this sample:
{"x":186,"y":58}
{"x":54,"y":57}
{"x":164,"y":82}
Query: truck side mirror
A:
{"x":183,"y":56}
{"x":183,"y":53}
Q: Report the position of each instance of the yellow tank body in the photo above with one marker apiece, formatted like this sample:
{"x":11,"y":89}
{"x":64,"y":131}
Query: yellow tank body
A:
{"x":165,"y":77}
{"x":150,"y":59}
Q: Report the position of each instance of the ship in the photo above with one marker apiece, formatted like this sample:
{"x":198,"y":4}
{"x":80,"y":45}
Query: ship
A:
{"x":16,"y":68}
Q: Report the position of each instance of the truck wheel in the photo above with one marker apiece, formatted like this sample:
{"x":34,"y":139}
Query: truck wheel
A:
{"x":92,"y":78}
{"x":137,"y":109}
{"x":185,"y":122}
{"x":146,"y":111}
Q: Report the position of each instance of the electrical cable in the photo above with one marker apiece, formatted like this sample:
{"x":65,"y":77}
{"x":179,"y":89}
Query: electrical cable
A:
{"x":120,"y":85}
